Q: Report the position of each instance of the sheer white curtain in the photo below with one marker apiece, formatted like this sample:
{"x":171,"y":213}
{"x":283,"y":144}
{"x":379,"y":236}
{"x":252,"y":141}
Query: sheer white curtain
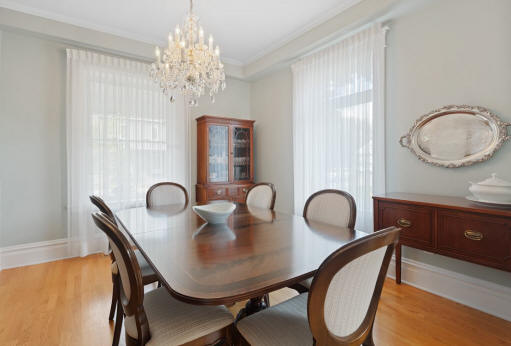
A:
{"x":123,"y":136}
{"x":338,"y":121}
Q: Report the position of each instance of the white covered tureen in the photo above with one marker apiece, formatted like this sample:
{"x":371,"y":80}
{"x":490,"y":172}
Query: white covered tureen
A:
{"x":493,"y":189}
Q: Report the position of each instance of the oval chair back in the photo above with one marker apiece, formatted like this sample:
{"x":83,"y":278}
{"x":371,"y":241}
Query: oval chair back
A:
{"x":334,"y":207}
{"x":166,"y":193}
{"x":345,"y":292}
{"x":261,"y":195}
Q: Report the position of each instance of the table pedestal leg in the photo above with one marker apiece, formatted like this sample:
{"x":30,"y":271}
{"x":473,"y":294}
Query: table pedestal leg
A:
{"x":253,"y":305}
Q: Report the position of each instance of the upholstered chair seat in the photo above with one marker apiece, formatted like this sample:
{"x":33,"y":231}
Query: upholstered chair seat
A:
{"x":283,"y":324}
{"x":148,"y":274}
{"x":261,"y":195}
{"x":173,"y":322}
{"x":340,"y":307}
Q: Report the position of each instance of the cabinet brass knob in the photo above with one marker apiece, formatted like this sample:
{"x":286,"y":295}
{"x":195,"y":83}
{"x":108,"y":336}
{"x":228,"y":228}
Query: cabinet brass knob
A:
{"x":472,"y":235}
{"x":244,"y":190}
{"x":219,"y":192}
{"x":404,"y":222}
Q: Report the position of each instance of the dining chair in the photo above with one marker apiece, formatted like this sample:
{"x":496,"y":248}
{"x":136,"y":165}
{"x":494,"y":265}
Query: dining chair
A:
{"x":156,"y":318}
{"x":333,"y":207}
{"x":166,"y":193}
{"x":261,"y":195}
{"x":148,"y":274}
{"x":341,"y":305}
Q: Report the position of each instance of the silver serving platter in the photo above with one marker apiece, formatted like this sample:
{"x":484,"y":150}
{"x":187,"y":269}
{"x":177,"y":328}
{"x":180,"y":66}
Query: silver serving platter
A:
{"x":456,"y":136}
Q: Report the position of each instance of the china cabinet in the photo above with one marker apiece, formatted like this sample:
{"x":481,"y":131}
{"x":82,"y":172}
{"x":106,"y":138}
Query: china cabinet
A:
{"x":225,"y":166}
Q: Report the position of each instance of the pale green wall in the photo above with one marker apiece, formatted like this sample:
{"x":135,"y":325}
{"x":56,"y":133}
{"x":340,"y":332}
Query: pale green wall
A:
{"x":32,"y":140}
{"x":272,"y":107}
{"x":443,"y":52}
{"x":449,"y":52}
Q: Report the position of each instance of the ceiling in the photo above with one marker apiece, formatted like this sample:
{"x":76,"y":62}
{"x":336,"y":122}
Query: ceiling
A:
{"x":245,"y":30}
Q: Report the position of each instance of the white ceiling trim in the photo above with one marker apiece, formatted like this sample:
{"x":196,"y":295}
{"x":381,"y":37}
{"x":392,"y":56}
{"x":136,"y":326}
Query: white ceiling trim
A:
{"x":288,"y":38}
{"x":77,"y":22}
{"x":11,"y":5}
{"x":153,"y":40}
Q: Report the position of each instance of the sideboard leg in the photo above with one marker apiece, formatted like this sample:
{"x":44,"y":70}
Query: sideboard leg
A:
{"x":398,"y":263}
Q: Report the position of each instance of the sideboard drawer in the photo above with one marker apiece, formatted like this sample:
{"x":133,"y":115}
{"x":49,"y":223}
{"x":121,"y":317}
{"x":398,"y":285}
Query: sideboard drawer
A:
{"x":479,"y":238}
{"x":416,"y":222}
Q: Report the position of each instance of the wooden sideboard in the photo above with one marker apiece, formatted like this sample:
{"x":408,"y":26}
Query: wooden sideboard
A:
{"x":449,"y":226}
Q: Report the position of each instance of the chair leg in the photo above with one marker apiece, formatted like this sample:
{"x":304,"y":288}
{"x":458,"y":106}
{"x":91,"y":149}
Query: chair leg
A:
{"x":369,"y":340}
{"x":266,"y":299}
{"x":115,"y":295}
{"x":118,"y":324}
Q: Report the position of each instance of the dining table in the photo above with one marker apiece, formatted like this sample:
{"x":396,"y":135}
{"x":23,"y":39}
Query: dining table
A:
{"x":255,"y":252}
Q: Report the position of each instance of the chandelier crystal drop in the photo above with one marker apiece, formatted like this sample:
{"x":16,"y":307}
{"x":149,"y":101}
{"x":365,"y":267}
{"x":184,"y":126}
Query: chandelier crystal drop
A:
{"x":188,"y":64}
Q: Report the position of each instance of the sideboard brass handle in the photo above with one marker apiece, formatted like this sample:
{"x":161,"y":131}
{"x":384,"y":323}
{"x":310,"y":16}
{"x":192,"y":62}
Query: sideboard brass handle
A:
{"x":219,"y":192}
{"x":404,"y":222}
{"x":472,"y":235}
{"x":244,"y":189}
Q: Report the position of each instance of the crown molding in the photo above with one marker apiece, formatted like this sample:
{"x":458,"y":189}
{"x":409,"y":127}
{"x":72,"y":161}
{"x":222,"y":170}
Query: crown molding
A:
{"x":12,"y":5}
{"x":352,"y":18}
{"x":88,"y":35}
{"x":325,"y":16}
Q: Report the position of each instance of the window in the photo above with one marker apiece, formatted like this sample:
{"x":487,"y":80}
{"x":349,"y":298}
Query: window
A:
{"x":123,"y":136}
{"x":338,"y":121}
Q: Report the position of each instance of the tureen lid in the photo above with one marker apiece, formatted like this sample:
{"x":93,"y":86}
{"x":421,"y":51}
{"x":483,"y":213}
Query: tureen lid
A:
{"x":494,"y":181}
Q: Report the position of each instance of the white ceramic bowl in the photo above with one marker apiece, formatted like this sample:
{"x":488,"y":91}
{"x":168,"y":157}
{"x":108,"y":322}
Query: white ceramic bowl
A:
{"x":497,"y":194}
{"x":493,"y":190}
{"x":215,"y":213}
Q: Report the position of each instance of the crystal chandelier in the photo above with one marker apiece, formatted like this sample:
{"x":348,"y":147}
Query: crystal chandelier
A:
{"x":188,"y":64}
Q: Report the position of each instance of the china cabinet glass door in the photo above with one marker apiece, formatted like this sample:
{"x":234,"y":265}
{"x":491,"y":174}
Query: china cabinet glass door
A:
{"x":218,"y":156}
{"x":241,"y":153}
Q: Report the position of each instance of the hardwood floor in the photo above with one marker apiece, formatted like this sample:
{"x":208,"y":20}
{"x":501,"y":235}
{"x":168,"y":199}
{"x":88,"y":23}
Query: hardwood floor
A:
{"x":67,"y":303}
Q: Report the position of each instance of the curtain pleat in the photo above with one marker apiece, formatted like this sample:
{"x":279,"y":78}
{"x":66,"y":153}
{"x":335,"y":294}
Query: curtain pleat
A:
{"x":123,"y":135}
{"x":338,"y":121}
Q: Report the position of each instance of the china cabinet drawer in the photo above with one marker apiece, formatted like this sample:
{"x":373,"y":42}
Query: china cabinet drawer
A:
{"x":481,"y":238}
{"x":238,"y":193}
{"x":416,"y":222}
{"x":217,"y":192}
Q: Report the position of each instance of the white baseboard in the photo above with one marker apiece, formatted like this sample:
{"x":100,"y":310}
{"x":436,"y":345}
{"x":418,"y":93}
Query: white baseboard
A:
{"x":479,"y":294}
{"x":46,"y":251}
{"x":33,"y":253}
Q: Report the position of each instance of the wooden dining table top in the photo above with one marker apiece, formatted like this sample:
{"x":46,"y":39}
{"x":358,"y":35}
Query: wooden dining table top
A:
{"x":257,"y":251}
